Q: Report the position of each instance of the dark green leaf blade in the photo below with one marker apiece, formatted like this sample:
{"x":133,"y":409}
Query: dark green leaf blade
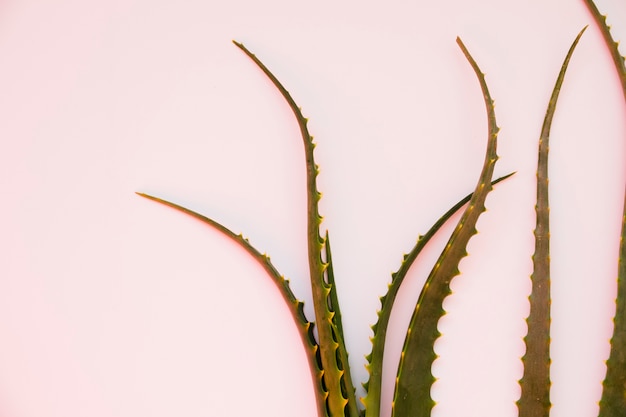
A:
{"x":415,"y":379}
{"x":305,"y":328}
{"x":535,"y":384}
{"x":375,"y":359}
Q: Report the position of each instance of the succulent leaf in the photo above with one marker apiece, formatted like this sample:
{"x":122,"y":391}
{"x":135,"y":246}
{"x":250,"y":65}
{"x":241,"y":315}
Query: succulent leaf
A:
{"x":337,"y":321}
{"x":341,"y":400}
{"x":612,"y":45}
{"x":415,"y":379}
{"x":375,"y":359}
{"x":305,"y":328}
{"x":613,"y":401}
{"x":535,"y":384}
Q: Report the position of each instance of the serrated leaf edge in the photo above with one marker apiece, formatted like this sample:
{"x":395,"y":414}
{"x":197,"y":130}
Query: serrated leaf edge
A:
{"x":613,"y":400}
{"x":415,"y":379}
{"x":535,"y":383}
{"x":373,"y":386}
{"x":341,"y":400}
{"x":296,"y":307}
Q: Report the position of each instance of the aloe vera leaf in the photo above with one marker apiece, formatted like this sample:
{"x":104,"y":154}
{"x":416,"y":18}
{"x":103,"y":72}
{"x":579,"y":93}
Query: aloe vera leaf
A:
{"x":612,"y":45}
{"x":305,"y":328}
{"x":341,"y":399}
{"x":613,"y":400}
{"x":415,"y":379}
{"x":330,"y":273}
{"x":334,"y":301}
{"x":535,"y":383}
{"x":375,"y":359}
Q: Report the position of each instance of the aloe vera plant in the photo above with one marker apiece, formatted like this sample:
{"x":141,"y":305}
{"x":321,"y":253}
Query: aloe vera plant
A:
{"x":326,"y":348}
{"x":327,"y":354}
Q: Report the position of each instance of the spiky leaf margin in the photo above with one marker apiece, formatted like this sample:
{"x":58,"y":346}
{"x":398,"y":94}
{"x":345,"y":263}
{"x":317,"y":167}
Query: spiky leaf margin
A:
{"x":304,"y":326}
{"x":415,"y":379}
{"x":341,"y":400}
{"x":373,"y":386}
{"x":334,"y":302}
{"x":535,"y":384}
{"x":613,"y":401}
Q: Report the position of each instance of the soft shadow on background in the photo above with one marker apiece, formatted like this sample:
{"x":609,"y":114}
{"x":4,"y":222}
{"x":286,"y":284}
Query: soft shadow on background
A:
{"x":111,"y":305}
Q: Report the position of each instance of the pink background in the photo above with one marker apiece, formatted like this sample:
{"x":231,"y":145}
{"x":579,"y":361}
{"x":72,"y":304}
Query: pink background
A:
{"x":111,"y":305}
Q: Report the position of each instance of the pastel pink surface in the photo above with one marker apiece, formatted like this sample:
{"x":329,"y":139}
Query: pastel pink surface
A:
{"x":111,"y":305}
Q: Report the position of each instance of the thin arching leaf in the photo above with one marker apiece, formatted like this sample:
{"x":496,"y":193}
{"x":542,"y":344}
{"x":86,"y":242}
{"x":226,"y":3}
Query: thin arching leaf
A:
{"x":341,"y":400}
{"x":375,"y":359}
{"x":535,"y":384}
{"x":305,"y":328}
{"x":415,"y":379}
{"x":613,"y":401}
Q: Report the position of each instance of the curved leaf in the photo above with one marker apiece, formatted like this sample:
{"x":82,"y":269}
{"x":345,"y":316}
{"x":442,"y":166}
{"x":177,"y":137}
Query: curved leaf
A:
{"x":535,"y":384}
{"x":305,"y":328}
{"x":414,"y":381}
{"x":613,"y":401}
{"x":341,"y":399}
{"x":375,"y":359}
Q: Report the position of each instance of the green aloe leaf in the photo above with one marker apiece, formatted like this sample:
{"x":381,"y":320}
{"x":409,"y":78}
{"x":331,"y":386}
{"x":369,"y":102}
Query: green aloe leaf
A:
{"x":305,"y":328}
{"x":341,"y":400}
{"x":535,"y":384}
{"x":612,"y":45}
{"x":415,"y":379}
{"x":613,"y":401}
{"x":375,"y":358}
{"x":334,"y":302}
